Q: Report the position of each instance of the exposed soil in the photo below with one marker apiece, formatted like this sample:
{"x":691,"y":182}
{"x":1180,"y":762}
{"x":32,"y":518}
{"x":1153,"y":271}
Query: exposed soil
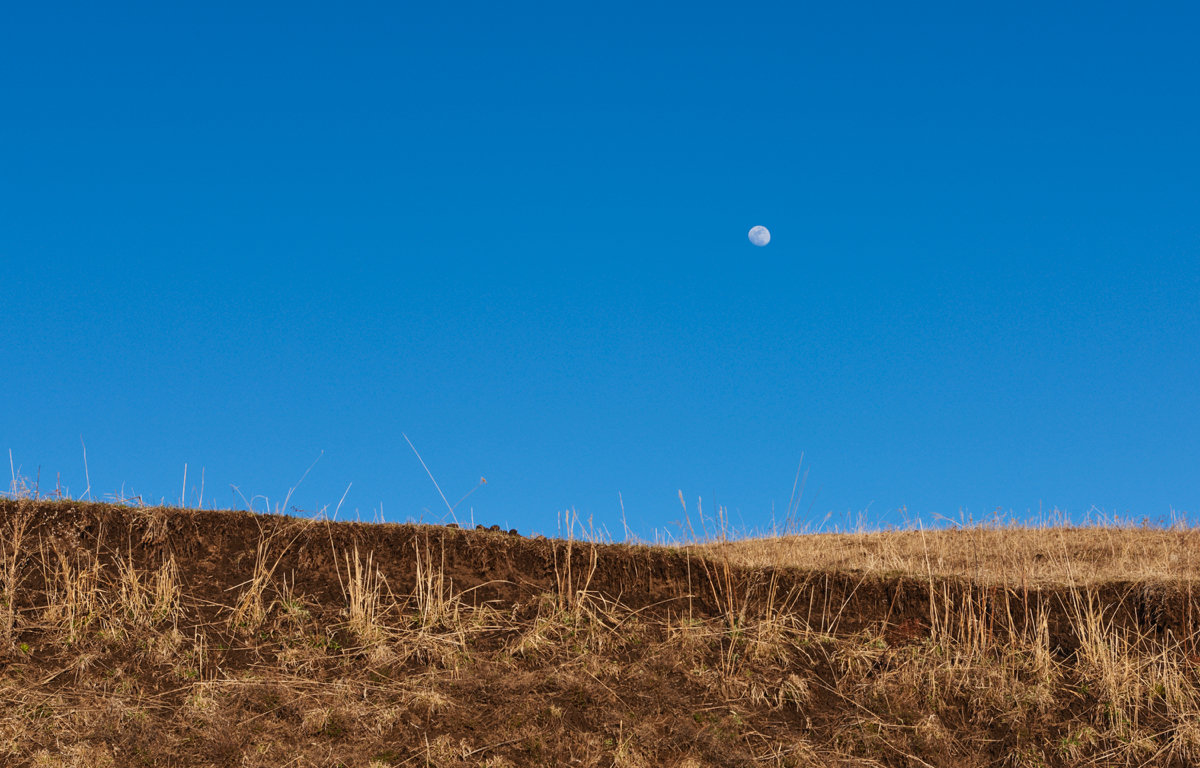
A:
{"x":150,"y":636}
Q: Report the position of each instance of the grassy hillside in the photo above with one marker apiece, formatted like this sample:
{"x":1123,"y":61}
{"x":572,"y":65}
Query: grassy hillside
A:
{"x":1009,"y":555}
{"x":150,"y":636}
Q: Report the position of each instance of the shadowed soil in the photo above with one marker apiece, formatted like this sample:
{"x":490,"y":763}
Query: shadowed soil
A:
{"x":151,"y":636}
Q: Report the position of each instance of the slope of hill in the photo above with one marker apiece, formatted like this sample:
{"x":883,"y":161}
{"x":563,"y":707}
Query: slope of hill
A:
{"x":171,"y":637}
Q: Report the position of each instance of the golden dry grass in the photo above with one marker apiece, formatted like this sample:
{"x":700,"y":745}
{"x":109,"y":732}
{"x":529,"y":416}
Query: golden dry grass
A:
{"x":136,"y":642}
{"x":989,"y":554}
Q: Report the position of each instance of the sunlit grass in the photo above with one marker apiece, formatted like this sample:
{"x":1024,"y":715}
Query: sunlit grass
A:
{"x":319,"y":642}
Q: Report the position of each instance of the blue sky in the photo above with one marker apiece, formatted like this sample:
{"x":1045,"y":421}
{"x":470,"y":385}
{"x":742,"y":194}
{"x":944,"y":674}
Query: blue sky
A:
{"x":239,"y":235}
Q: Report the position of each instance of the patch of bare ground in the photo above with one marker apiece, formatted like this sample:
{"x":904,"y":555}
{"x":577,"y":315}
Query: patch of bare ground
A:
{"x":147,"y":637}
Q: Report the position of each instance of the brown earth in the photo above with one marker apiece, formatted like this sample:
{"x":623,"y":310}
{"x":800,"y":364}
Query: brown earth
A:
{"x":152,"y":636}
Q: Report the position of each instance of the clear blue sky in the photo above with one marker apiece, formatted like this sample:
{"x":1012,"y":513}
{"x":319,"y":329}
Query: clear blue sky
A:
{"x":235,"y":235}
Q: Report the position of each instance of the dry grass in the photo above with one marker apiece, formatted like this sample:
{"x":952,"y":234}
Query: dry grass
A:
{"x":121,"y":652}
{"x":1007,"y":554}
{"x":12,"y":553}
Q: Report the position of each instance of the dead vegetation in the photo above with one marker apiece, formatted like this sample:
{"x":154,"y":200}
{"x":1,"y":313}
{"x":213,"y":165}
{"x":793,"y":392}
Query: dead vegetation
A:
{"x":176,"y":637}
{"x":998,"y":553}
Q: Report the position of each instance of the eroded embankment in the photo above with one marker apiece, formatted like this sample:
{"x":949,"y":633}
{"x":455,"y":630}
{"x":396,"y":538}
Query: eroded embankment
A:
{"x":218,"y":551}
{"x":148,"y":637}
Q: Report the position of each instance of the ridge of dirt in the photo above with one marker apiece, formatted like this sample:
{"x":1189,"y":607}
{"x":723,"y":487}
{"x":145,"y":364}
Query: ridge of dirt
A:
{"x":159,"y":636}
{"x":216,"y":549}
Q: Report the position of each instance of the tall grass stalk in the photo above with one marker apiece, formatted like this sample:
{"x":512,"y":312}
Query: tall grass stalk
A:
{"x":364,"y":591}
{"x":12,"y":555}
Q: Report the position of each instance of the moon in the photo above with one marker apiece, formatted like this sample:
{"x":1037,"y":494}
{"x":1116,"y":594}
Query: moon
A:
{"x":760,"y":235}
